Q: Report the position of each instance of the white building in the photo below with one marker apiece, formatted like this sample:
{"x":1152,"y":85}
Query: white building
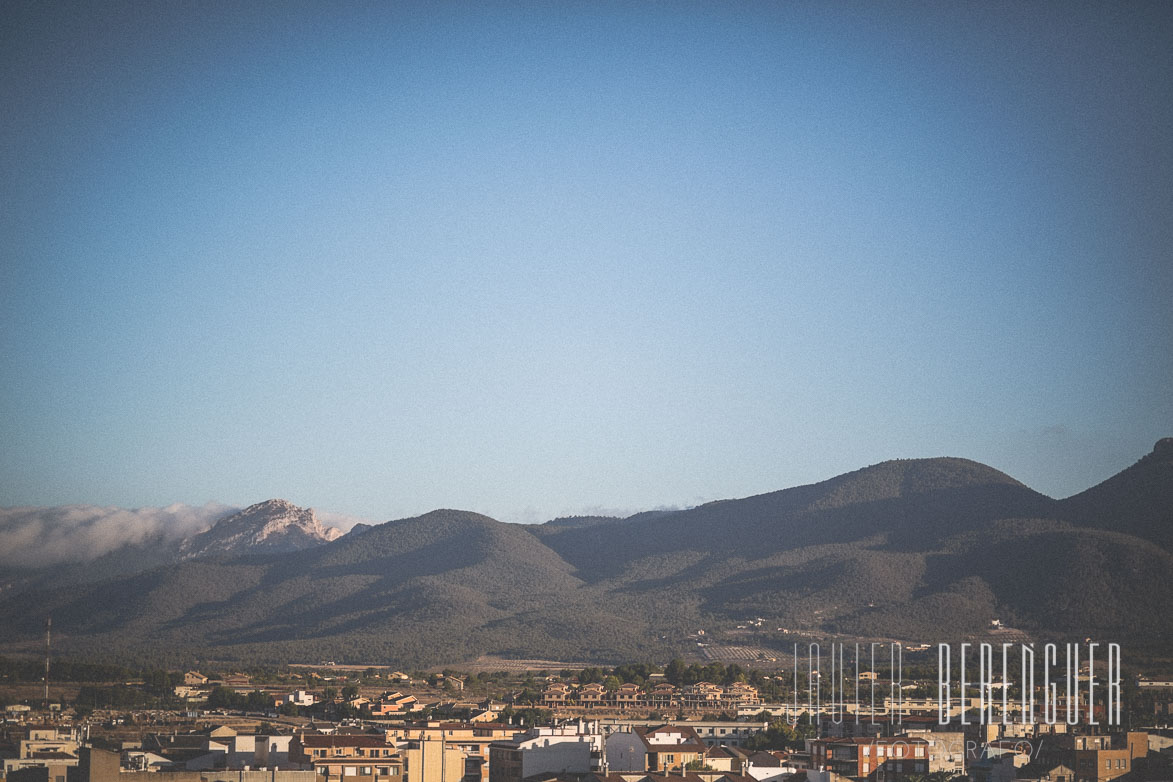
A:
{"x":575,"y":748}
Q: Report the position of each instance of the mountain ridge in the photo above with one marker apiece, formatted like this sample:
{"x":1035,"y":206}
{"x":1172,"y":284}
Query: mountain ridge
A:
{"x":914,"y":549}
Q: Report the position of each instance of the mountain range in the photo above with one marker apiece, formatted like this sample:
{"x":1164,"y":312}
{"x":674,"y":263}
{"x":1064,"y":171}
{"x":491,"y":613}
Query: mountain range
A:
{"x":917,"y":550}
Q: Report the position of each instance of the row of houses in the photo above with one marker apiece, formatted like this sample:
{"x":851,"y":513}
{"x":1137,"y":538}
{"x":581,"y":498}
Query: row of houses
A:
{"x":698,"y":697}
{"x":495,"y":752}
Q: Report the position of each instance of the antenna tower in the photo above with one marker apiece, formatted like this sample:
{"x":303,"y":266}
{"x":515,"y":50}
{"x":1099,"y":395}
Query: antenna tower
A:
{"x":48,"y":630}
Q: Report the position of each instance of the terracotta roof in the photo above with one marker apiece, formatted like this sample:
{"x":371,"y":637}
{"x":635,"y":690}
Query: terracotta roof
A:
{"x":318,"y":742}
{"x":878,"y":740}
{"x":721,"y":752}
{"x":691,"y":742}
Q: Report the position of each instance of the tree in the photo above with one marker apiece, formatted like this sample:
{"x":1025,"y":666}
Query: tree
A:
{"x":779,"y":735}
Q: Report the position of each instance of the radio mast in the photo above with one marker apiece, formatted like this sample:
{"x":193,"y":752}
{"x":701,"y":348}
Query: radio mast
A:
{"x":48,"y":630}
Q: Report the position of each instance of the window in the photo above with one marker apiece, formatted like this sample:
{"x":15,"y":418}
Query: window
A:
{"x":364,"y":771}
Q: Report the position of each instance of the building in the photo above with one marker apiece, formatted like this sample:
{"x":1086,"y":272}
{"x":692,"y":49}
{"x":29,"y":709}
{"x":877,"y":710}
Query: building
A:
{"x":576,"y":748}
{"x":661,"y":750}
{"x":472,"y":739}
{"x":628,"y":696}
{"x":740,"y":694}
{"x":662,"y":696}
{"x":432,"y":761}
{"x":347,"y":758}
{"x":714,"y":733}
{"x":300,"y":698}
{"x":946,"y":750}
{"x":96,"y":765}
{"x":556,"y":695}
{"x":43,"y":748}
{"x":1101,"y":765}
{"x":591,"y":695}
{"x":702,"y":696}
{"x":224,"y":749}
{"x":875,"y":759}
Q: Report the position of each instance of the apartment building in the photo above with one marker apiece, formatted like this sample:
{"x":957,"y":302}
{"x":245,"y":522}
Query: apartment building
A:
{"x":576,"y":748}
{"x":348,"y":758}
{"x":875,"y":759}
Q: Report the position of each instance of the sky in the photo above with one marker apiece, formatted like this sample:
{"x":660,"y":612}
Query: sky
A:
{"x":545,"y":259}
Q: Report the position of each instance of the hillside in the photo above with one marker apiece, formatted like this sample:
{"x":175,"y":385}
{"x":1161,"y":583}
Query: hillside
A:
{"x":1137,"y":501}
{"x":925,"y":549}
{"x":898,"y":504}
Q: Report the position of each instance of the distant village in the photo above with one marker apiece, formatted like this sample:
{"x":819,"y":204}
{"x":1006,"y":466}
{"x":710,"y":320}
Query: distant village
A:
{"x":328,"y":724}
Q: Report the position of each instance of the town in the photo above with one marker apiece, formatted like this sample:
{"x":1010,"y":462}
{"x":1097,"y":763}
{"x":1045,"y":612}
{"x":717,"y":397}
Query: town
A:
{"x":632,"y":723}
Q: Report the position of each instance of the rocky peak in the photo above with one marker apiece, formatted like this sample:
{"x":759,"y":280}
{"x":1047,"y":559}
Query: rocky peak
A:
{"x":270,"y":526}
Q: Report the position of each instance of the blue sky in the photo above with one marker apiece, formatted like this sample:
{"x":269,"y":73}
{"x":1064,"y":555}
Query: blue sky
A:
{"x":541,"y":259}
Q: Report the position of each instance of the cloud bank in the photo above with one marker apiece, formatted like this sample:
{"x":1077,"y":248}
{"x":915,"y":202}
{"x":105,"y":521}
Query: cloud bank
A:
{"x":36,"y":537}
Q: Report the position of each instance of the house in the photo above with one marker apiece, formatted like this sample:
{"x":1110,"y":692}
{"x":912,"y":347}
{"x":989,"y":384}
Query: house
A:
{"x":455,"y":682}
{"x":394,"y":704}
{"x":591,"y":695}
{"x":1049,"y":772}
{"x":556,"y":695}
{"x":662,"y":696}
{"x":190,"y":693}
{"x":194,"y":679}
{"x":770,"y":766}
{"x":729,"y":759}
{"x":300,"y":698}
{"x":627,"y":696}
{"x":661,"y":750}
{"x":701,"y":696}
{"x":740,"y":694}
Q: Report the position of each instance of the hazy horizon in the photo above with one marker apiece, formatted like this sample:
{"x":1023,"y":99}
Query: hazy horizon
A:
{"x":524,"y":258}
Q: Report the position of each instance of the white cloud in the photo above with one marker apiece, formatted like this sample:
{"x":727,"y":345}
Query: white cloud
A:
{"x":36,"y":537}
{"x":341,"y":521}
